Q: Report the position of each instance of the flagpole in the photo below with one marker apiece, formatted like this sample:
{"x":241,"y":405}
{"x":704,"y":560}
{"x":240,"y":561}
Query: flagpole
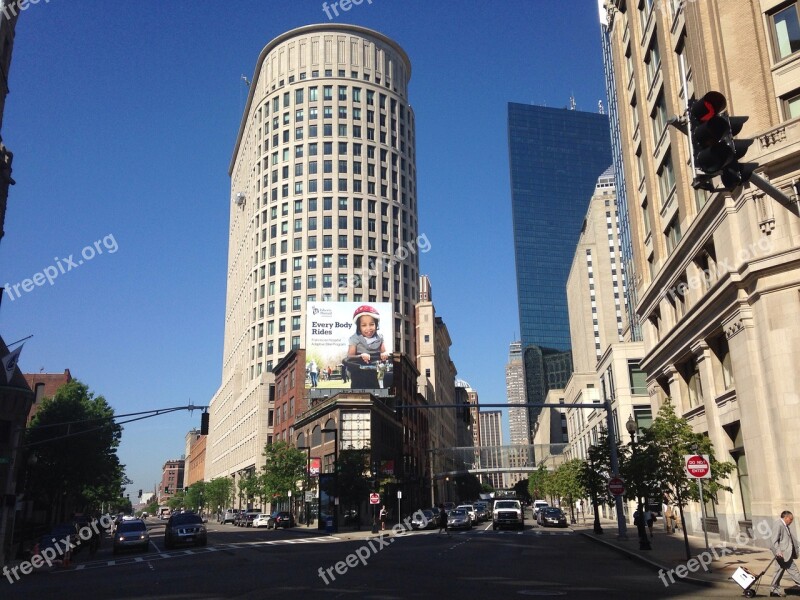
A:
{"x":18,"y":341}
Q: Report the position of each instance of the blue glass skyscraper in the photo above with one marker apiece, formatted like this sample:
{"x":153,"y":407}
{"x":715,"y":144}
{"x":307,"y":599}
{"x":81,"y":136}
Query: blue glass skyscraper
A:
{"x":556,"y":156}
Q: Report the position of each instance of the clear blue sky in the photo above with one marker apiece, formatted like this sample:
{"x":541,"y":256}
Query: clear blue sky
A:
{"x":122,"y":118}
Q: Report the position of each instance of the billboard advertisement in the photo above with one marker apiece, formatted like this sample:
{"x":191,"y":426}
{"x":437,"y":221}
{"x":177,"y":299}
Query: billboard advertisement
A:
{"x":349,"y":345}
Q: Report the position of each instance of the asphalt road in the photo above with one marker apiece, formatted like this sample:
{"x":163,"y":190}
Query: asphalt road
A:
{"x":246,"y":563}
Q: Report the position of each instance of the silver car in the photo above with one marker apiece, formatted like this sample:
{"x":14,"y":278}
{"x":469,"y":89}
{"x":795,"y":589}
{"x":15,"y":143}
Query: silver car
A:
{"x":131,"y":534}
{"x":459,"y":519}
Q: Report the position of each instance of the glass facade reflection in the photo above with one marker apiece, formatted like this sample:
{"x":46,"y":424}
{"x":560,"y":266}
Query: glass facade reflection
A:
{"x":555,"y":156}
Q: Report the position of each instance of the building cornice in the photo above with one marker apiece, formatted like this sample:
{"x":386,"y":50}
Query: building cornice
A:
{"x":300,"y":31}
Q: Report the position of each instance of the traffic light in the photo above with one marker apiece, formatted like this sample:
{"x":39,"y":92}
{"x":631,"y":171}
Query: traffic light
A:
{"x":204,"y":423}
{"x":714,"y":148}
{"x":140,"y":493}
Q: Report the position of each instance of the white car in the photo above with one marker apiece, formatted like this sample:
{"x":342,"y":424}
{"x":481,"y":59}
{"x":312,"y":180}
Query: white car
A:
{"x":262,"y":520}
{"x":473,"y":514}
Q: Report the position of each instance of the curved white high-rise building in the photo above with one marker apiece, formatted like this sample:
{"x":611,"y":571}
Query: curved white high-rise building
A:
{"x":323,"y":207}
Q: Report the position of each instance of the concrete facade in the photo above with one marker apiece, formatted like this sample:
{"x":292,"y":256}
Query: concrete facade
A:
{"x":492,"y":435}
{"x":719,"y":272}
{"x":323,"y":207}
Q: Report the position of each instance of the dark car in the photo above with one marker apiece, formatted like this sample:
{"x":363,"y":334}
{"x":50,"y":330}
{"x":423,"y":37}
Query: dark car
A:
{"x":282,"y":519}
{"x":131,"y":534}
{"x":59,"y":538}
{"x":552,"y":516}
{"x":185,"y":528}
{"x":246,"y":520}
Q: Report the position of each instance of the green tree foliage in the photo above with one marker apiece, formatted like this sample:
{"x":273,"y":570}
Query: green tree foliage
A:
{"x":75,"y":440}
{"x":468,"y":487}
{"x":152,"y":507}
{"x":250,"y":487}
{"x":568,"y":483}
{"x":219,"y":493}
{"x":672,"y":438}
{"x":521,"y":490}
{"x":196,"y":496}
{"x":597,"y":470}
{"x":177,"y":500}
{"x":354,"y":477}
{"x":284,"y":466}
{"x":538,"y":484}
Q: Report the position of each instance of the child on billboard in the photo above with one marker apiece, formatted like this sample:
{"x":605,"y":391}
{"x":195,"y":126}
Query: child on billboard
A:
{"x":367,"y":344}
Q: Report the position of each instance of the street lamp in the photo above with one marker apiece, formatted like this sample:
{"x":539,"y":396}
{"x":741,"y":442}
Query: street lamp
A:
{"x":644,"y":543}
{"x":308,"y":479}
{"x":335,"y":433}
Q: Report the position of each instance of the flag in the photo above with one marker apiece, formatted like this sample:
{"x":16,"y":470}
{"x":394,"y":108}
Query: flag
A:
{"x":10,"y":363}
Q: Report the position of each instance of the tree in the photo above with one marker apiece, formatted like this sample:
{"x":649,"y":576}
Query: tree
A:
{"x":75,"y":440}
{"x":468,"y":487}
{"x":152,"y":506}
{"x":354,"y":478}
{"x":672,"y":438}
{"x":196,"y":496}
{"x":219,"y":493}
{"x":596,"y":472}
{"x":568,"y":483}
{"x":537,"y":483}
{"x":284,"y":466}
{"x":177,"y":500}
{"x":250,"y":486}
{"x":521,"y":490}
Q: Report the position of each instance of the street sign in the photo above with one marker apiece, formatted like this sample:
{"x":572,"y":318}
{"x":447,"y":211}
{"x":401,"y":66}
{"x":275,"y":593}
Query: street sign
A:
{"x":698,"y":466}
{"x":374,"y":498}
{"x":616,"y":485}
{"x":399,"y":494}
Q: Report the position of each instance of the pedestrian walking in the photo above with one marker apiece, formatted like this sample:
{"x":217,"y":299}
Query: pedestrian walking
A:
{"x":649,"y":519}
{"x":443,"y":520}
{"x":383,"y":515}
{"x":785,"y":550}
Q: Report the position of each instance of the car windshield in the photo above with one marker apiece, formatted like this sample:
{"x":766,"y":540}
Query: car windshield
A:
{"x":506,"y":505}
{"x":132,"y":526}
{"x":458,"y":512}
{"x":185,"y":519}
{"x":263,"y":516}
{"x":552,"y":512}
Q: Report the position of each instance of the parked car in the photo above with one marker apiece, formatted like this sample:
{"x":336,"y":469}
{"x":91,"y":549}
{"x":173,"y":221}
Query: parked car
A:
{"x":553,"y":516}
{"x":282,"y":519}
{"x":131,"y":534}
{"x":448,"y":506}
{"x":229,"y":516}
{"x":57,"y":538}
{"x":459,"y":518}
{"x":262,"y":520}
{"x":249,"y":517}
{"x":538,"y":505}
{"x":423,"y":519}
{"x":185,"y":528}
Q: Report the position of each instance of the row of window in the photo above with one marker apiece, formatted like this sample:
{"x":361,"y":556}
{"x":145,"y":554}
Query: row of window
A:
{"x":312,"y":94}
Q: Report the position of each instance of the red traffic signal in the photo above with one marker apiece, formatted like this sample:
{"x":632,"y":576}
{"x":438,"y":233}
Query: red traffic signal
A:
{"x":713,"y":147}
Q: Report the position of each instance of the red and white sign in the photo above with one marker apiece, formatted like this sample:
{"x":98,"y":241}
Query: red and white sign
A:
{"x":698,"y":466}
{"x":616,"y":485}
{"x":374,"y":498}
{"x":314,"y":467}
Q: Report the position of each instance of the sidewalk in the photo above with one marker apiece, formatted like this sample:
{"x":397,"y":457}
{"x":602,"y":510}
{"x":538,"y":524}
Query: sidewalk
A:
{"x":668,"y":554}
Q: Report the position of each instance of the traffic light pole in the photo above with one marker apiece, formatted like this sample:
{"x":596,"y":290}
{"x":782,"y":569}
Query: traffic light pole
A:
{"x":769,"y":189}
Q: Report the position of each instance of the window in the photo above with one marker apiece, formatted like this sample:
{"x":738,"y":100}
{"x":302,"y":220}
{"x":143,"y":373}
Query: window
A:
{"x":638,"y":378}
{"x":659,"y":117}
{"x":653,"y":61}
{"x":673,"y":233}
{"x":791,"y":105}
{"x":666,"y":179}
{"x":786,"y":32}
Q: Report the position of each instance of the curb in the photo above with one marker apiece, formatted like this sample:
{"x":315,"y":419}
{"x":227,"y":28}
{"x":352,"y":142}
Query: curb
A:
{"x":651,"y":563}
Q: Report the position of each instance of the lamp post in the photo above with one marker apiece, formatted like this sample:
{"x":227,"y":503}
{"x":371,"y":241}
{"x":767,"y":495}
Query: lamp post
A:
{"x":335,"y":433}
{"x":644,"y":543}
{"x":308,"y":479}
